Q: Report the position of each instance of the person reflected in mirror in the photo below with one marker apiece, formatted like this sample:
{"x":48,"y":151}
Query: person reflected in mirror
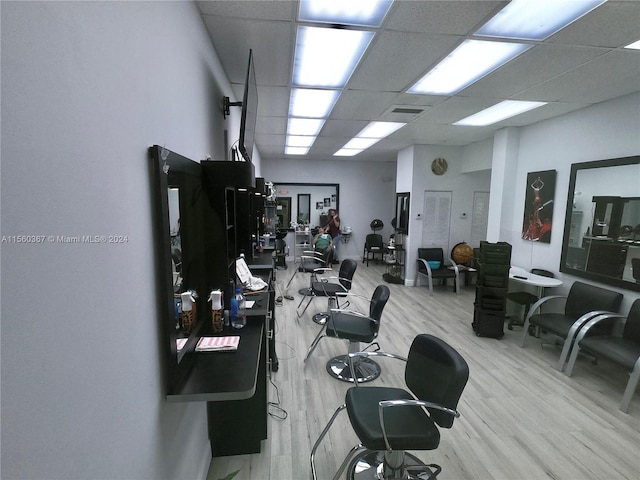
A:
{"x":334,"y":230}
{"x":322,"y":240}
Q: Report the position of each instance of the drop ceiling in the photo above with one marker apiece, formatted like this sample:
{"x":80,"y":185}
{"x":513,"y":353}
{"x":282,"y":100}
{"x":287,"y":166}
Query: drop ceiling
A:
{"x":581,"y":65}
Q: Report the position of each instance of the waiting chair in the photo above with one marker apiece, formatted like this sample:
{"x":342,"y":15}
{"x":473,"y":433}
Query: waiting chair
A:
{"x":388,"y":421}
{"x":373,"y":245}
{"x":525,"y":298}
{"x":324,"y":288}
{"x":356,"y":328}
{"x":624,"y":351}
{"x":583,"y":303}
{"x":432,"y":264}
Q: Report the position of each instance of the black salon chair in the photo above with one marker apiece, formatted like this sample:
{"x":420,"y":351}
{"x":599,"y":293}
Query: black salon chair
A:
{"x":432,"y":264}
{"x":624,"y":350}
{"x":526,"y":299}
{"x":583,"y":303}
{"x":322,"y":287}
{"x":388,"y":421}
{"x":312,"y":262}
{"x":373,"y":245}
{"x":357,"y":328}
{"x":282,"y":251}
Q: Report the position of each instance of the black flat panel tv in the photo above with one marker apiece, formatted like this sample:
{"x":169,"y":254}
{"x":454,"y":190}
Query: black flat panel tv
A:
{"x":249,"y":112}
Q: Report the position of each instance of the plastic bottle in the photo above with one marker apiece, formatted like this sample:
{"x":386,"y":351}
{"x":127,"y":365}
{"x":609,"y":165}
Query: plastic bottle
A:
{"x":215,"y":297}
{"x":238,"y":312}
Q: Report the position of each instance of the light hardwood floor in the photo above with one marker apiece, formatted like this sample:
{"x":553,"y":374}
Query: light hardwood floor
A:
{"x":521,"y":418}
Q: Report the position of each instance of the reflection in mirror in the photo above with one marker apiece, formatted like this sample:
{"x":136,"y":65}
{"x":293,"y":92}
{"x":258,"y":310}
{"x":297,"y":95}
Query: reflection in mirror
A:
{"x":401,"y":220}
{"x":304,"y":208}
{"x":174,"y":233}
{"x":602,"y":226}
{"x":322,"y":197}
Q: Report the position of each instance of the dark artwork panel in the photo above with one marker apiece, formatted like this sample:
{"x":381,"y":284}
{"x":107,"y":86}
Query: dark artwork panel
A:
{"x":538,"y":207}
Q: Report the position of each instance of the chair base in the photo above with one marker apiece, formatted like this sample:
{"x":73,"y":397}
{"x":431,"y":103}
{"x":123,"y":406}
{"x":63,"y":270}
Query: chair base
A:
{"x":321,"y":318}
{"x":369,"y":465}
{"x":365,"y":369}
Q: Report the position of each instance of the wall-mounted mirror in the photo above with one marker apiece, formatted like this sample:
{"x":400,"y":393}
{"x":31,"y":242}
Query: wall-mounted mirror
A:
{"x":401,"y":220}
{"x":179,"y":205}
{"x":304,"y":208}
{"x":602,"y":226}
{"x":321,"y":197}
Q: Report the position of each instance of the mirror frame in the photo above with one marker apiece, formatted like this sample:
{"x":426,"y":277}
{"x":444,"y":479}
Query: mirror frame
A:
{"x":169,"y":169}
{"x":304,"y":198}
{"x":402,"y":210}
{"x":575,"y":168}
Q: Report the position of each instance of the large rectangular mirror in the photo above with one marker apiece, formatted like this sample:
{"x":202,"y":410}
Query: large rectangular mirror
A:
{"x":179,"y":206}
{"x":602,"y":226}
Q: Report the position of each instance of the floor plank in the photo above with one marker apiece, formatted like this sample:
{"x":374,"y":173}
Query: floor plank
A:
{"x":521,"y":418}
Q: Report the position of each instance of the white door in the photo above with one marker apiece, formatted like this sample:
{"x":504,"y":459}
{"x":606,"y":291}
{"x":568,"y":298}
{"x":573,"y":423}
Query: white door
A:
{"x":436,"y":220}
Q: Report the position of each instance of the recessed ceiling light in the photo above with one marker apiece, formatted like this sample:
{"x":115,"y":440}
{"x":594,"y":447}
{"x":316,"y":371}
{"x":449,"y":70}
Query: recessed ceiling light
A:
{"x":361,"y":143}
{"x":296,"y":150}
{"x":347,"y":152}
{"x":353,"y":12}
{"x":300,"y":140}
{"x":304,"y":126}
{"x":468,"y":63}
{"x":634,"y":45}
{"x":314,"y":103}
{"x":536,"y":19}
{"x":380,"y":129}
{"x":326,"y":57}
{"x":500,"y":111}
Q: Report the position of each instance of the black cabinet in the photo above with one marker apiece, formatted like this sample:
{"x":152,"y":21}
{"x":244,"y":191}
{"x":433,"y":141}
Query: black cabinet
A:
{"x":216,"y":219}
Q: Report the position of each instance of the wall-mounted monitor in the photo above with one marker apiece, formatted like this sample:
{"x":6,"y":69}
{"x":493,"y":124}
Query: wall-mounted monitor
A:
{"x":249,"y":112}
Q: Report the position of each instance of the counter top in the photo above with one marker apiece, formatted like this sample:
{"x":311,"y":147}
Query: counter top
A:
{"x":218,"y":376}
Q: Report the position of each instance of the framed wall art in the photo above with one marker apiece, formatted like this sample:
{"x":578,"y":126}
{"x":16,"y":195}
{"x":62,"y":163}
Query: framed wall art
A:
{"x":538,"y":206}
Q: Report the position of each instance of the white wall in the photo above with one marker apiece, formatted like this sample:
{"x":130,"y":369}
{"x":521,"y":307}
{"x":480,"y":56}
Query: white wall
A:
{"x":86,"y":88}
{"x":606,"y":130}
{"x":367,"y":191}
{"x":456,"y":180}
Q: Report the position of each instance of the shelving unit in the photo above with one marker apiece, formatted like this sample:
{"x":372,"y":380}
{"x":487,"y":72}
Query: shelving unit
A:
{"x":493,"y":261}
{"x":302,"y":242}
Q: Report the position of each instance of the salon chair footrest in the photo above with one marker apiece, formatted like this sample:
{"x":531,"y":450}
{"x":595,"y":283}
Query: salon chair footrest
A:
{"x":369,"y":465}
{"x":366,"y":369}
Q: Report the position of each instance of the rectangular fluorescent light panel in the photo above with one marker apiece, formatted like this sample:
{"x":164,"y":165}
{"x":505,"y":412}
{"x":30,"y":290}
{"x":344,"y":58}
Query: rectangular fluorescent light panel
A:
{"x":347,"y":152}
{"x":467,"y":64}
{"x":536,"y":19}
{"x":300,"y":140}
{"x":500,"y":111}
{"x":361,"y":143}
{"x":380,"y":129}
{"x":326,"y":57}
{"x":296,"y":150}
{"x":368,"y":136}
{"x":366,"y":13}
{"x":634,"y":45}
{"x":304,"y":126}
{"x":313,"y":103}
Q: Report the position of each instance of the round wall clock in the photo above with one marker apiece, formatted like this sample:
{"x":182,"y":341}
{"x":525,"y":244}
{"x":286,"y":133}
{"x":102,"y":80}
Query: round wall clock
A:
{"x":439,"y":166}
